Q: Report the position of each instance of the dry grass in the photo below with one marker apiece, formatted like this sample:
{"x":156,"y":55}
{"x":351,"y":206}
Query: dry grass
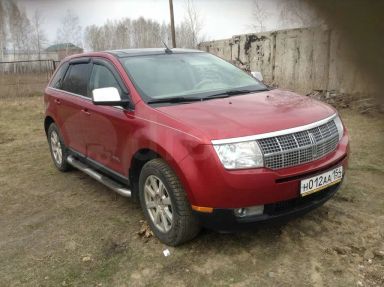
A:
{"x":18,"y":86}
{"x":61,"y":229}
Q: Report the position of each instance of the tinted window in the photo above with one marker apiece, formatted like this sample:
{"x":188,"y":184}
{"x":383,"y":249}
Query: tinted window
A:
{"x":102,"y":77}
{"x":57,"y":79}
{"x":76,"y":79}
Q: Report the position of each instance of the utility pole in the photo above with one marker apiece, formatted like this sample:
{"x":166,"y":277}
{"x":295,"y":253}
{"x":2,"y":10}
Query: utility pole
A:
{"x":172,"y":24}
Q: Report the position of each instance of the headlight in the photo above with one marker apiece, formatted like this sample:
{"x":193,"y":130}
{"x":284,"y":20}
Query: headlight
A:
{"x":339,"y":125}
{"x":240,"y":155}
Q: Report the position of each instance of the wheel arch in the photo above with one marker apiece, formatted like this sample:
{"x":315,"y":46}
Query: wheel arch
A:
{"x":144,"y":155}
{"x":138,"y":160}
{"x":47,"y":122}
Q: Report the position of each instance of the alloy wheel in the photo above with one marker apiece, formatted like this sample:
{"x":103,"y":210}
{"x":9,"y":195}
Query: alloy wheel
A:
{"x":56,"y":148}
{"x":158,"y":203}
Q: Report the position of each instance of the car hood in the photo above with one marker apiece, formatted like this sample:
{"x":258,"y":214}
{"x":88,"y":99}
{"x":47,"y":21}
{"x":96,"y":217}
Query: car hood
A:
{"x":248,"y":114}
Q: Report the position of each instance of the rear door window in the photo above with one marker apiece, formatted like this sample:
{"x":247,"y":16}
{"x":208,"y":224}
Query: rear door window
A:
{"x":77,"y":78}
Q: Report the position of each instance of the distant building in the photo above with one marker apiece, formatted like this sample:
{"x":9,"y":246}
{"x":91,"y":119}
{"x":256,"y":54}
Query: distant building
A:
{"x":64,"y":49}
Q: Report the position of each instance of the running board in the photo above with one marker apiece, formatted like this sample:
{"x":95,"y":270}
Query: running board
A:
{"x":114,"y":185}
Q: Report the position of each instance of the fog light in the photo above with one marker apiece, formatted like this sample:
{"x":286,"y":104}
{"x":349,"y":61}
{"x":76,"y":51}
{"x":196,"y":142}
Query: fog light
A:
{"x":240,"y":212}
{"x":249,"y":211}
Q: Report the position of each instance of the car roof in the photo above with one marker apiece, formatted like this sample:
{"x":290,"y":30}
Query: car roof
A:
{"x":149,"y":51}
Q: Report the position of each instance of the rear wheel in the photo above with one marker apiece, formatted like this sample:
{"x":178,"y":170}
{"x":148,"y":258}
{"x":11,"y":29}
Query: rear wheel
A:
{"x":165,"y":204}
{"x":58,"y":150}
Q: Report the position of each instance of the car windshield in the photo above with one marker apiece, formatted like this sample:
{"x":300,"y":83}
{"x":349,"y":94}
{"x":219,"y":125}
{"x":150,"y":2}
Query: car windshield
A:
{"x":187,"y":76}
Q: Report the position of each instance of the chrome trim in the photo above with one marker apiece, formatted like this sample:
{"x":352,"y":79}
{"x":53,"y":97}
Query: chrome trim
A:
{"x":99,"y":165}
{"x":71,"y":94}
{"x":314,"y":144}
{"x":82,"y":97}
{"x":282,"y":152}
{"x":297,"y":142}
{"x":108,"y":182}
{"x":274,"y":134}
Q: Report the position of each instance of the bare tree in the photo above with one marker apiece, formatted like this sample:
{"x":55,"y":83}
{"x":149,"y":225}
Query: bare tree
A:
{"x":193,"y":25}
{"x":70,"y":31}
{"x":146,"y":33}
{"x":164,"y":33}
{"x":92,"y":38}
{"x":109,"y":35}
{"x":122,"y":34}
{"x":20,"y":29}
{"x":141,"y":33}
{"x":184,"y":36}
{"x":259,"y":15}
{"x":122,"y":39}
{"x":18,"y":32}
{"x":2,"y":30}
{"x":39,"y":34}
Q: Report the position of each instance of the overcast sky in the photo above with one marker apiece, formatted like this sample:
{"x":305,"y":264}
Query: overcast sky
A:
{"x":221,"y":18}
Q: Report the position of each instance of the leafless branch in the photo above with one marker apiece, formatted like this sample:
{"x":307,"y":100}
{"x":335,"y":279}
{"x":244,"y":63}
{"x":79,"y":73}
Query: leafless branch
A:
{"x":259,"y":15}
{"x":39,"y":34}
{"x":70,"y":31}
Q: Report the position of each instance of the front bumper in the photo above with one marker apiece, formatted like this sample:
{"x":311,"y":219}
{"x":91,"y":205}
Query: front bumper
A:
{"x":208,"y":184}
{"x":275,"y":213}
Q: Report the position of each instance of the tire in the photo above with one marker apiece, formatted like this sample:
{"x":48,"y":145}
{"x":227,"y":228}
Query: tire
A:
{"x":58,"y":150}
{"x":170,"y":200}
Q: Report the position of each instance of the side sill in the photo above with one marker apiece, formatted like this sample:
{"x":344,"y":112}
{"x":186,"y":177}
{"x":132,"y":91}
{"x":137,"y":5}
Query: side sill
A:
{"x":99,"y":167}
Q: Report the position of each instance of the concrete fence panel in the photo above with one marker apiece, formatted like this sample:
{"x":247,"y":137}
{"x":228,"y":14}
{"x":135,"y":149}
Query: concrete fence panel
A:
{"x":303,"y":60}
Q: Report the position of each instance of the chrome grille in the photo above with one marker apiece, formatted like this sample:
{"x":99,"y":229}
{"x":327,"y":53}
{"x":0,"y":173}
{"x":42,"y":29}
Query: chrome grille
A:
{"x":300,"y":147}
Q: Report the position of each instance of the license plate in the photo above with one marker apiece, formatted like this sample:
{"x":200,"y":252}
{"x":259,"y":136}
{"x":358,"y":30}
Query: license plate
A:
{"x":321,"y":181}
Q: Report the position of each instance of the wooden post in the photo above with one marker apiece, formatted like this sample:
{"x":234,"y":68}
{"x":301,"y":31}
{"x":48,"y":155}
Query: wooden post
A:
{"x":172,"y":24}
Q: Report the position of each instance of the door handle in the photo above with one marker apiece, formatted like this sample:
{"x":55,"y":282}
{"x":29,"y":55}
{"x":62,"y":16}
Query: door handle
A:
{"x":57,"y":101}
{"x":85,"y":111}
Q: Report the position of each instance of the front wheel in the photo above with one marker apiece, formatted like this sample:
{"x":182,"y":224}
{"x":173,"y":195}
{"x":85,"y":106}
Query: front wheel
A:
{"x":165,"y":204}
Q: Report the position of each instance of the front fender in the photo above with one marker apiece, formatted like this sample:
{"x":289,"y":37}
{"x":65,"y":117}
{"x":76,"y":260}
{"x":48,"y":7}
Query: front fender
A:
{"x":171,"y":144}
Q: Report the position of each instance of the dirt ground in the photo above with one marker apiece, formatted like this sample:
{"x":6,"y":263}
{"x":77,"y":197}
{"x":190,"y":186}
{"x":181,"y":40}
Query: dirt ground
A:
{"x":61,"y":229}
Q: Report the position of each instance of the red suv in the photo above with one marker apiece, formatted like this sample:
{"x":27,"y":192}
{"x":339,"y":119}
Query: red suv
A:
{"x":197,"y":141}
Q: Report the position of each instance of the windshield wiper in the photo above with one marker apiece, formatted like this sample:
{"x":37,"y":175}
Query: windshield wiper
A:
{"x":225,"y":94}
{"x":173,"y":100}
{"x":229,"y":93}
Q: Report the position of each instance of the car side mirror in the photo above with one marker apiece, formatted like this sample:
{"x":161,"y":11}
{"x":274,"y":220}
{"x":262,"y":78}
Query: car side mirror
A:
{"x":257,"y":76}
{"x":108,"y":97}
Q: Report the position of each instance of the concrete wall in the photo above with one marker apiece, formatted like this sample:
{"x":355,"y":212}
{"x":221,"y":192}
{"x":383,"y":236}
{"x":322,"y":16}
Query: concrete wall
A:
{"x":303,"y":60}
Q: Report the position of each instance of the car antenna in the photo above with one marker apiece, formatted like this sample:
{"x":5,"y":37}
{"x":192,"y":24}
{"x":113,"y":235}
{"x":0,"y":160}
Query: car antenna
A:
{"x":167,"y":50}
